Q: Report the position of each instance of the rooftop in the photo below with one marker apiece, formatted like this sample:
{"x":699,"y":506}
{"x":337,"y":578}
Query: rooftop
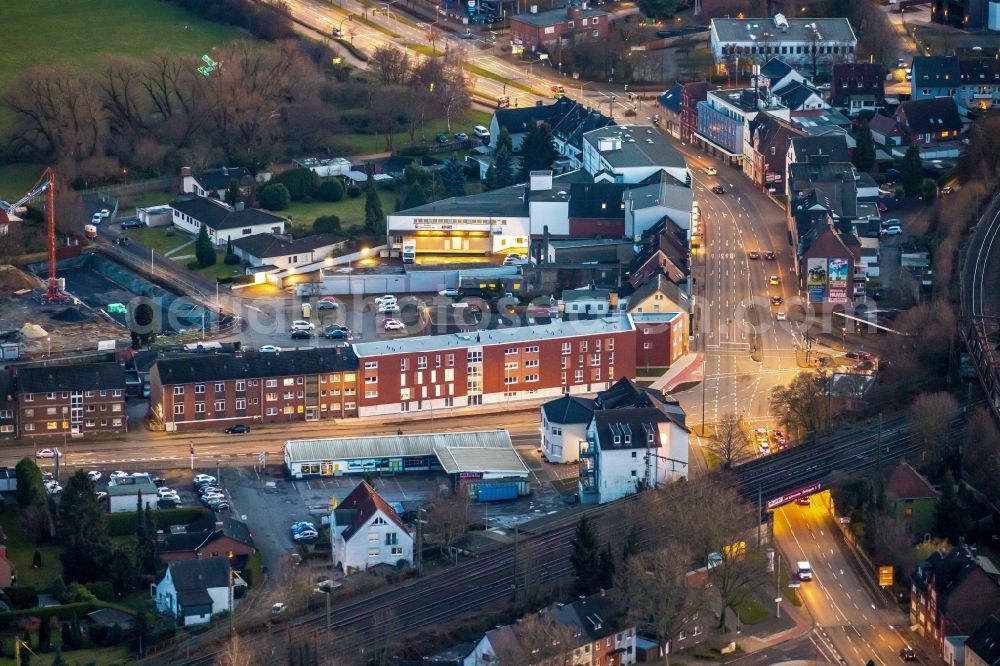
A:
{"x":585,"y":294}
{"x":221,"y":367}
{"x":271,"y":245}
{"x":505,"y":202}
{"x":515,"y":335}
{"x":219,"y":216}
{"x":569,"y":409}
{"x":219,"y":179}
{"x":474,"y":451}
{"x":554,"y":16}
{"x":664,"y":193}
{"x":360,"y":505}
{"x":906,"y":483}
{"x":201,"y":574}
{"x":78,"y":377}
{"x":634,"y":146}
{"x":145,"y":486}
{"x":797,"y":30}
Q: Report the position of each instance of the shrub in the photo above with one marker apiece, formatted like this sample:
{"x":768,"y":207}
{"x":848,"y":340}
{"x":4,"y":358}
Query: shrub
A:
{"x":253,"y":571}
{"x":123,"y":524}
{"x":193,"y":265}
{"x":353,"y":191}
{"x":275,"y":197}
{"x":232,"y":260}
{"x":326,"y":224}
{"x":22,"y":597}
{"x":102,"y":590}
{"x":331,"y":189}
{"x":300,"y":183}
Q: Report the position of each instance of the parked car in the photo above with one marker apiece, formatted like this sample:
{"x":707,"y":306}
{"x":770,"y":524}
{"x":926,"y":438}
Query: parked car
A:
{"x":441,"y":138}
{"x":824,"y":86}
{"x":104,"y":213}
{"x":336,"y":333}
{"x":302,"y":525}
{"x":754,"y":254}
{"x":96,"y":219}
{"x":393,"y":325}
{"x":892,"y":222}
{"x":860,"y":355}
{"x":278,"y":609}
{"x":159,"y":481}
{"x":388,"y":308}
{"x":208,"y":488}
{"x":907,"y":654}
{"x":204,"y":478}
{"x":305,"y":535}
{"x":100,"y":495}
{"x":132,"y":224}
{"x":481,"y":133}
{"x":719,"y":189}
{"x":238,"y":429}
{"x":449,"y":291}
{"x":947,"y":189}
{"x":301,"y":335}
{"x":46,"y":453}
{"x":881,"y":207}
{"x":892,"y":231}
{"x":167,"y":503}
{"x":117,"y":474}
{"x":94,"y":475}
{"x":781,"y":316}
{"x":303,"y":325}
{"x":384,"y":300}
{"x":167,"y":493}
{"x":270,"y":349}
{"x":462,"y":136}
{"x":327,"y":303}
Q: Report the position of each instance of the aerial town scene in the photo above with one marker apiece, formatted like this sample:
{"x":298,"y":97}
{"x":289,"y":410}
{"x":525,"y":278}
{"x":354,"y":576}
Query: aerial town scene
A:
{"x":500,"y":332}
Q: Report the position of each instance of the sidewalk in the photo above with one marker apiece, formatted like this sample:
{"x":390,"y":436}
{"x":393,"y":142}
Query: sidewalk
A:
{"x":687,"y":368}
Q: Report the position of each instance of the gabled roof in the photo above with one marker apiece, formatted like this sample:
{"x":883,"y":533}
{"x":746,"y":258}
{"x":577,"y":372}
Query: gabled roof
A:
{"x":776,"y":69}
{"x":219,"y":216}
{"x":929,"y":116}
{"x":569,"y":409}
{"x":597,"y":200}
{"x":220,"y":367}
{"x":366,"y":502}
{"x":237,"y":531}
{"x":218,"y":179}
{"x":906,"y":483}
{"x":884,"y":125}
{"x":78,"y":377}
{"x":521,"y":120}
{"x":671,"y":99}
{"x":985,"y":641}
{"x":858,"y":78}
{"x":585,"y":294}
{"x":266,"y":246}
{"x":773,"y":132}
{"x":594,"y":617}
{"x":631,"y":425}
{"x":182,"y":542}
{"x":795,"y":94}
{"x":659,"y":282}
{"x":579,"y":120}
{"x":978,"y":71}
{"x":935,"y":71}
{"x":200,"y":574}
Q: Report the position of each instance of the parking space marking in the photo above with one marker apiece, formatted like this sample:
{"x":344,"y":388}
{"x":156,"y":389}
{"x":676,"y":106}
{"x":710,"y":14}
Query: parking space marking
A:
{"x":403,"y":492}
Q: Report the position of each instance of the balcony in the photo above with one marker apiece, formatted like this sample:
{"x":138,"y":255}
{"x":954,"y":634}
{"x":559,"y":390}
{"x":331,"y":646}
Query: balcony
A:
{"x":588,"y":449}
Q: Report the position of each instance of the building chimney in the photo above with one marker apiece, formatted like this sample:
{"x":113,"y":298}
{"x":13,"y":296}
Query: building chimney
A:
{"x":575,"y":13}
{"x":185,"y":172}
{"x":541,"y":181}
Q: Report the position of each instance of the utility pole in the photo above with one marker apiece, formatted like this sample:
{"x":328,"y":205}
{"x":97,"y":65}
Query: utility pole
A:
{"x":878,"y":446}
{"x":514,"y":585}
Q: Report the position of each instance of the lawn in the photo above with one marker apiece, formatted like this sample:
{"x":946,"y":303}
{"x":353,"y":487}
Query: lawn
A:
{"x":21,"y":552}
{"x":350,"y":211}
{"x":161,"y":239}
{"x":217,"y":270}
{"x":363,"y":144}
{"x":17,"y":179}
{"x":750,"y":610}
{"x":128,"y":205}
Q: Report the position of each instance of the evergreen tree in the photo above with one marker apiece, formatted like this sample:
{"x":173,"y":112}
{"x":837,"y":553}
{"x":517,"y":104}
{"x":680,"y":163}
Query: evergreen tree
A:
{"x":330,"y":189}
{"x":586,"y":558}
{"x":607,"y":568}
{"x":864,"y":151}
{"x":453,"y":178}
{"x":204,"y":251}
{"x":951,"y":521}
{"x":36,"y":560}
{"x":912,"y":171}
{"x":145,"y":539}
{"x":504,"y":141}
{"x":538,"y":151}
{"x":83,"y":526}
{"x":374,"y":218}
{"x":30,"y":487}
{"x":415,"y":196}
{"x":490,"y":182}
{"x":503,"y":162}
{"x":229,"y":245}
{"x":631,"y":546}
{"x":275,"y":197}
{"x":125,"y":570}
{"x":141,"y":631}
{"x":233,"y":193}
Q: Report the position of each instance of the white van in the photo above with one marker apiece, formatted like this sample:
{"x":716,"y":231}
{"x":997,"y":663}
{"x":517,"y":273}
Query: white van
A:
{"x":481,"y":133}
{"x":805,"y":571}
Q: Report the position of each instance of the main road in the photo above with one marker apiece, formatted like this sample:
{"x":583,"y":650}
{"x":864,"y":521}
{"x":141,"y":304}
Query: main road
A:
{"x":852,"y":625}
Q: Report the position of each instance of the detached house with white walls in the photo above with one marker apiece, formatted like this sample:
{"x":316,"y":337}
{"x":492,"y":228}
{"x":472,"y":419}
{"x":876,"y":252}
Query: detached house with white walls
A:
{"x":192,"y":591}
{"x":224,"y":222}
{"x":214,"y":182}
{"x":630,"y":154}
{"x":365,"y":531}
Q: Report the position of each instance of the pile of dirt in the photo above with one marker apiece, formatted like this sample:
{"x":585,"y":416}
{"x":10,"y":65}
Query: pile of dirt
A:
{"x":70,"y":315}
{"x":14,"y":279}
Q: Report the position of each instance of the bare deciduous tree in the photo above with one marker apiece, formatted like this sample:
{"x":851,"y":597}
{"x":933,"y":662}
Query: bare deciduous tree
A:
{"x":729,"y":442}
{"x":930,"y":418}
{"x":391,"y":64}
{"x":235,"y":653}
{"x":802,"y":405}
{"x":448,"y":518}
{"x":653,"y":588}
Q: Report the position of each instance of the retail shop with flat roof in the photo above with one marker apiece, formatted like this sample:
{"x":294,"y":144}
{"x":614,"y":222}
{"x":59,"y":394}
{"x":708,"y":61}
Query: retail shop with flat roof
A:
{"x":483,"y":454}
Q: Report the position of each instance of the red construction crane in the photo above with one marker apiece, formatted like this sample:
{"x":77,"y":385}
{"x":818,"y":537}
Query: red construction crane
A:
{"x":47,"y":184}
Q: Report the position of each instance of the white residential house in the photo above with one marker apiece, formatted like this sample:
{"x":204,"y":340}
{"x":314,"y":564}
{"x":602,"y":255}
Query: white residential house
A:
{"x":564,"y":427}
{"x":585,"y":302}
{"x":282,"y":252}
{"x":213,"y":182}
{"x":365,"y":531}
{"x":192,"y":591}
{"x":224,"y":222}
{"x":628,"y":448}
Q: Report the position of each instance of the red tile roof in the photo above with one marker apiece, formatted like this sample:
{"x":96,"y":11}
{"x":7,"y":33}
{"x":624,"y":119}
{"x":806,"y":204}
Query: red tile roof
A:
{"x":906,"y":483}
{"x":366,"y":502}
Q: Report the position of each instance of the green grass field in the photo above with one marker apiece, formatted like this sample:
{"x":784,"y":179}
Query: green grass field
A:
{"x":350,"y":211}
{"x":365,"y":144}
{"x":161,"y":239}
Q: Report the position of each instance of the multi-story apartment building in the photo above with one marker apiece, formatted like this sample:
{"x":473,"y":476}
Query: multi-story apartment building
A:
{"x":494,"y":366}
{"x":811,"y":44}
{"x":255,"y":387}
{"x":8,"y":406}
{"x":74,"y":400}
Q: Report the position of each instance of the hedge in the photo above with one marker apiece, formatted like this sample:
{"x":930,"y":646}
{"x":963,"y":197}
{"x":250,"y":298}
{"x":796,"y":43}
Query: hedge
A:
{"x":64,"y":612}
{"x":124,"y":524}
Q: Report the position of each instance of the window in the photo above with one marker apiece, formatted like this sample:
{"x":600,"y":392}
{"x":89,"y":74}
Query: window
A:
{"x":52,"y":425}
{"x":178,"y":390}
{"x":449,"y":374}
{"x":371,"y":365}
{"x":611,"y":344}
{"x":510,"y":351}
{"x":451,"y":360}
{"x":391,"y":539}
{"x":595,"y":359}
{"x":531,"y":350}
{"x":30,"y":397}
{"x":421,"y":362}
{"x":531,"y":378}
{"x":117,"y":393}
{"x":531,"y":363}
{"x":371,"y":394}
{"x":271,"y":383}
{"x":220,"y":405}
{"x":199,"y":408}
{"x":584,"y":22}
{"x":510,"y":380}
{"x":569,"y":24}
{"x":510,"y":365}
{"x":241,"y":403}
{"x":298,"y":380}
{"x":29,"y":427}
{"x":402,"y":364}
{"x":475,"y":357}
{"x":372,"y":379}
{"x":220,"y":387}
{"x":50,"y":396}
{"x":578,"y":376}
{"x":288,"y":381}
{"x":241,"y":385}
{"x":117,"y":407}
{"x":116,"y":422}
{"x":449,"y":402}
{"x":647,"y":345}
{"x":583,"y":346}
{"x":270,"y":397}
{"x":565,"y":348}
{"x":178,"y":409}
{"x":565,"y":363}
{"x":397,"y":550}
{"x":594,"y":20}
{"x":437,"y":361}
{"x":89,"y":394}
{"x":404,"y":394}
{"x":50,"y":411}
{"x":373,"y":552}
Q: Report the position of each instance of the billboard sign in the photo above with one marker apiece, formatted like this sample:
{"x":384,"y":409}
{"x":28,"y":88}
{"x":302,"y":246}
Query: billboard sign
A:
{"x":885,"y":576}
{"x":805,"y":491}
{"x":838,"y":281}
{"x":816,"y":280}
